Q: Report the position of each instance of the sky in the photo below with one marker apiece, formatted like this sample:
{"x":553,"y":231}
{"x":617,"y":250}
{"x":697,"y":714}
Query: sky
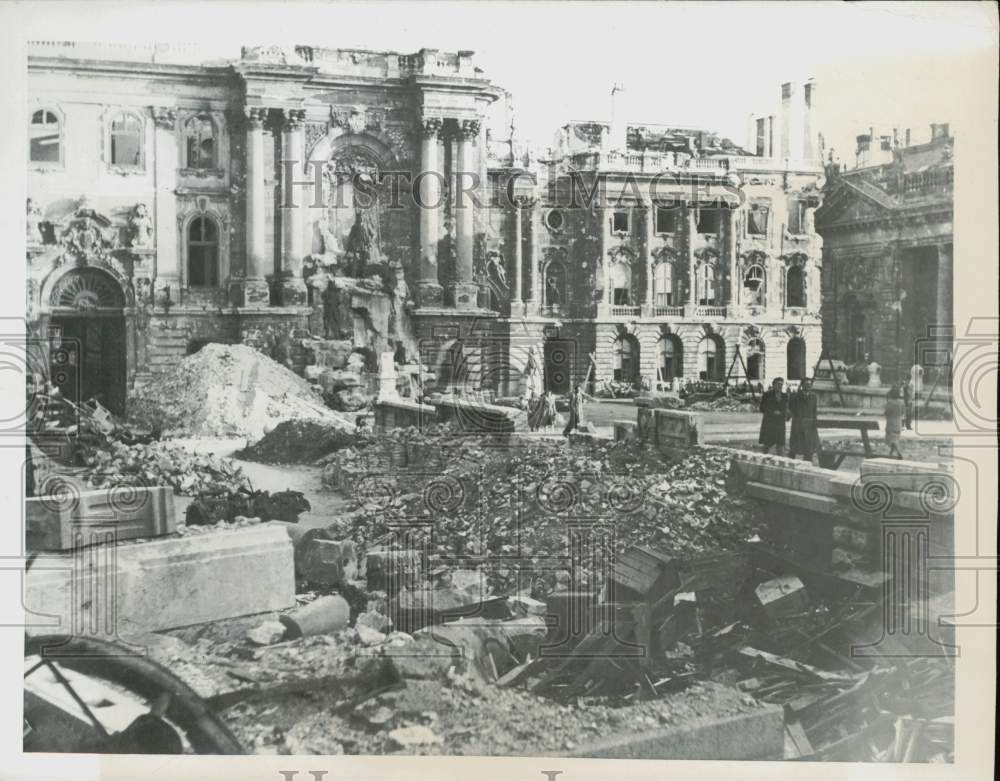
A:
{"x":708,"y":65}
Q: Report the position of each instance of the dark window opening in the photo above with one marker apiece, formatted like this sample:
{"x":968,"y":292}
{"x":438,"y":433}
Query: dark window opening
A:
{"x":757,"y":220}
{"x":619,"y":222}
{"x":203,"y":253}
{"x":666,"y":220}
{"x":796,"y":287}
{"x":200,"y":137}
{"x":761,"y":136}
{"x":708,"y":220}
{"x":796,"y":215}
{"x":753,"y":283}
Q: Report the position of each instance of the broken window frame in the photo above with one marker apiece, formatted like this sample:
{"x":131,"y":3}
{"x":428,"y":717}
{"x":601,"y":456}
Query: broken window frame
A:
{"x":668,"y":215}
{"x":801,"y":298}
{"x":45,"y":133}
{"x":706,"y":279}
{"x":616,"y":216}
{"x":751,"y":226}
{"x":192,"y":132}
{"x":204,"y":252}
{"x":663,"y":283}
{"x":709,"y":214}
{"x":131,"y":126}
{"x":758,"y":291}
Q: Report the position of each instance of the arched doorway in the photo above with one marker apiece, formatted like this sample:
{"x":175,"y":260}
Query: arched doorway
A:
{"x":711,"y":358}
{"x":755,"y":360}
{"x":671,"y":358}
{"x":795,"y":355}
{"x":558,"y":364}
{"x":88,"y":347}
{"x":626,"y":359}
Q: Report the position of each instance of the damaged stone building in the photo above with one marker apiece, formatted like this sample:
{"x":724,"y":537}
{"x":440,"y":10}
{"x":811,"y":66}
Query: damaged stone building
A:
{"x":887,"y":227}
{"x":168,"y":208}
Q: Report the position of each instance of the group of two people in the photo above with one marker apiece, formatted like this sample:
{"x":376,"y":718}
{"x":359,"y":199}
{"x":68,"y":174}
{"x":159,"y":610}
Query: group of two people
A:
{"x":542,"y":412}
{"x":776,"y":406}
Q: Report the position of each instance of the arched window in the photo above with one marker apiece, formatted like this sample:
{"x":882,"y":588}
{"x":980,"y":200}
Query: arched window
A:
{"x":126,"y":141}
{"x":663,"y":284}
{"x":626,"y":359}
{"x":795,"y":356}
{"x":203,"y":253}
{"x":795,"y":287}
{"x":755,"y":359}
{"x":711,"y":358}
{"x":753,"y":283}
{"x":621,"y":283}
{"x":705,"y":291}
{"x":199,"y":138}
{"x":671,"y":357}
{"x":555,"y":284}
{"x":43,"y":137}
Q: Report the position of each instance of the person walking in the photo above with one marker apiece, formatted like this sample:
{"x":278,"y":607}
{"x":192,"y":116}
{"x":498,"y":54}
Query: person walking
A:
{"x":575,"y":407}
{"x":803,"y":438}
{"x":907,"y":403}
{"x":774,"y":412}
{"x":894,"y":411}
{"x":536,"y":411}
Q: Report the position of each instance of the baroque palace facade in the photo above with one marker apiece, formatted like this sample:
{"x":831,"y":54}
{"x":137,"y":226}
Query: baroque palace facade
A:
{"x":168,"y":207}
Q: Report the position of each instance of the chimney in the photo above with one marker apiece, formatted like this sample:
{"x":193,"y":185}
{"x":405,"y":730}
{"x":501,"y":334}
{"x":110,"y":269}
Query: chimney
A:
{"x":810,"y":146}
{"x":907,"y":136}
{"x":785,"y":119}
{"x":939,"y":130}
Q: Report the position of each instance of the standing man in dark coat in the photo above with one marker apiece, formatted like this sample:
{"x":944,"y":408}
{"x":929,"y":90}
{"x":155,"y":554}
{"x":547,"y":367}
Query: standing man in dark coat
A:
{"x":575,"y":410}
{"x":804,"y":438}
{"x":774,"y":411}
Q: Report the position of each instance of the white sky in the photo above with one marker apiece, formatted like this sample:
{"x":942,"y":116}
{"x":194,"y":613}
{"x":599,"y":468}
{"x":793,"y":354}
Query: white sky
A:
{"x":703,"y":64}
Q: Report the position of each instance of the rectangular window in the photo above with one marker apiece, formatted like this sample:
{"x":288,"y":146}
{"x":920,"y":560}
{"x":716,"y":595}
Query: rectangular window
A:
{"x":757,"y":220}
{"x":621,"y":297}
{"x":619,"y":222}
{"x":666,"y":220}
{"x":796,"y":208}
{"x":708,"y":220}
{"x":761,"y":136}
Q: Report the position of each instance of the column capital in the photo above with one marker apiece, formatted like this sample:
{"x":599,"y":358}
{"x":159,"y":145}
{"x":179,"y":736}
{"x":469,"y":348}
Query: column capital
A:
{"x":292,"y":119}
{"x":164,"y":117}
{"x":469,"y":129}
{"x":430,"y":127}
{"x":255,"y":116}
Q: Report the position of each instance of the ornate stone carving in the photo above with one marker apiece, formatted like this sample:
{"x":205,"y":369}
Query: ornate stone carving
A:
{"x":271,"y":55}
{"x":164,"y":117}
{"x":795,"y":259}
{"x":430,"y":127}
{"x":315,"y":132}
{"x":706,"y":255}
{"x":140,"y":227}
{"x":84,"y":239}
{"x":469,"y":129}
{"x":34,"y":218}
{"x":293,"y":119}
{"x":255,"y":116}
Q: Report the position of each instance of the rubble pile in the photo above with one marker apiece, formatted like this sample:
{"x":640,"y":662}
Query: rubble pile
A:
{"x":514,"y":500}
{"x":301,"y":442}
{"x":726,"y":404}
{"x":227,"y":390}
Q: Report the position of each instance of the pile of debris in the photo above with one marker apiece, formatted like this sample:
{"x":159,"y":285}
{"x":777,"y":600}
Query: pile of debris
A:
{"x":229,"y":390}
{"x":726,"y":404}
{"x":302,"y":442}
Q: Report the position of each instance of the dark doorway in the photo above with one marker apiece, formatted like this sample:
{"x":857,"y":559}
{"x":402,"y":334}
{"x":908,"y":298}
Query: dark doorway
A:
{"x":673,"y":358}
{"x":712,"y":359}
{"x":559,"y":359}
{"x":796,"y":358}
{"x":626,"y":359}
{"x":918,"y":311}
{"x":89,"y":362}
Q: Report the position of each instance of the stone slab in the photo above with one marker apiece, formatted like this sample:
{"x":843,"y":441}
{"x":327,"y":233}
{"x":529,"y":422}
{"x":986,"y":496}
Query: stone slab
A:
{"x":674,"y":429}
{"x":474,"y":416}
{"x":402,"y":413}
{"x":804,"y":500}
{"x":758,"y":734}
{"x":161,"y":584}
{"x":786,"y":473}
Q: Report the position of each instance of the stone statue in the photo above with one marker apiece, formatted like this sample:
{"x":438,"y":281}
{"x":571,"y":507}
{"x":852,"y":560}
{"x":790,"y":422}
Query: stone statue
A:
{"x":917,"y":378}
{"x":140,"y":227}
{"x":532,"y":375}
{"x":34,"y":235}
{"x":362,"y":241}
{"x":874,"y":374}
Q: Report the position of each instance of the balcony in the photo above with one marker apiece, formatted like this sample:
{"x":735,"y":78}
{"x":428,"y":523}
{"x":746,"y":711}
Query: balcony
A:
{"x":668,"y":311}
{"x":710,"y":311}
{"x":625,"y":311}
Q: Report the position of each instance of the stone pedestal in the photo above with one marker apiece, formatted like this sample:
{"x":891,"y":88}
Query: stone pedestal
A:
{"x":466,"y":296}
{"x":293,"y":291}
{"x":429,"y":294}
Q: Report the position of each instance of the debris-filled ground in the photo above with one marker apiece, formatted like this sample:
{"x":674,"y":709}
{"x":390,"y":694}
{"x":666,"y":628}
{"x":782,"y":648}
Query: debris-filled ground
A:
{"x":466,"y":594}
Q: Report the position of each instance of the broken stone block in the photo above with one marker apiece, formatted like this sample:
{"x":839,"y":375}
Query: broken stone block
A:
{"x":350,"y":400}
{"x":389,"y":570}
{"x":267,"y":633}
{"x":329,"y":562}
{"x":782,"y":597}
{"x":313,"y":372}
{"x":413,"y":736}
{"x":164,"y":584}
{"x":373,"y":620}
{"x":369,"y":636}
{"x":321,"y":616}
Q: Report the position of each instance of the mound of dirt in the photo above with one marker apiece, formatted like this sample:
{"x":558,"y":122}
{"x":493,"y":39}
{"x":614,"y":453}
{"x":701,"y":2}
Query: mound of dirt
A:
{"x":229,"y":390}
{"x":301,"y":442}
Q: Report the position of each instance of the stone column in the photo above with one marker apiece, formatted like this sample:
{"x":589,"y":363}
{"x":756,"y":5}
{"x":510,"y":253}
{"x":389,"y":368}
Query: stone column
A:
{"x":256,"y":292}
{"x":535,"y":258}
{"x":647,"y":248}
{"x":293,"y":287}
{"x":466,"y":291}
{"x":944,"y":314}
{"x":168,"y":271}
{"x":603,"y":263}
{"x":517,"y":263}
{"x":691,"y":213}
{"x":429,"y":293}
{"x":731,"y":261}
